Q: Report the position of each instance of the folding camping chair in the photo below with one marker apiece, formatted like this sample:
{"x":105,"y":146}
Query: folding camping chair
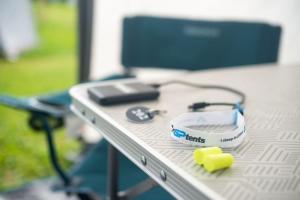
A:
{"x":150,"y":42}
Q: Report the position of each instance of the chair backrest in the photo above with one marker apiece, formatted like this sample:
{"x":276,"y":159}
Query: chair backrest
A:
{"x":194,"y":45}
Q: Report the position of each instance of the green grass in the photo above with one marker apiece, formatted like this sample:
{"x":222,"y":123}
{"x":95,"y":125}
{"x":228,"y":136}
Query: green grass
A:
{"x":49,"y":67}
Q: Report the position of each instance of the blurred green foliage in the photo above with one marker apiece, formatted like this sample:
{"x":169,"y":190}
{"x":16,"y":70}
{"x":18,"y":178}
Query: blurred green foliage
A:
{"x":49,"y":67}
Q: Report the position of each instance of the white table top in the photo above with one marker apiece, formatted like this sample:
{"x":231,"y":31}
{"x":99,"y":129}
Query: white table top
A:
{"x":267,"y":163}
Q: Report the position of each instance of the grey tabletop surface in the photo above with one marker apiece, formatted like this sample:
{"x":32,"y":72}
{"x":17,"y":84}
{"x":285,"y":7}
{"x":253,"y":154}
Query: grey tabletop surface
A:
{"x":267,"y":163}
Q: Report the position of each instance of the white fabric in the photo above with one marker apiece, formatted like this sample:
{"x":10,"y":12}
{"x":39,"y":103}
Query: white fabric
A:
{"x":108,"y":15}
{"x":182,"y":132}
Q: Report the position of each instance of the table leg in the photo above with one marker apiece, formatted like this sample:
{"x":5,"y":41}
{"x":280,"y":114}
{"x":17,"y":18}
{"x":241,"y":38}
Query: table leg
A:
{"x":113,"y":169}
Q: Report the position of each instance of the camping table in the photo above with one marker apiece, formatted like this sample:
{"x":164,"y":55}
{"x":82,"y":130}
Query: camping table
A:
{"x":267,"y":163}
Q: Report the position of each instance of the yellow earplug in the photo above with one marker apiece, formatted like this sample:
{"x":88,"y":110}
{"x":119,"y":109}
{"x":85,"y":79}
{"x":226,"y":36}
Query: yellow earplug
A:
{"x":201,"y":153}
{"x":215,"y":162}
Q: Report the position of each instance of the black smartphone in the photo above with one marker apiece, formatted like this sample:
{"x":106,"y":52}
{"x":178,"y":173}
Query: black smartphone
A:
{"x":118,"y":93}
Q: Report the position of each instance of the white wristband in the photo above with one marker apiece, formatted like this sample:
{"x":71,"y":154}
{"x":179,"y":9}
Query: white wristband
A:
{"x":182,"y":131}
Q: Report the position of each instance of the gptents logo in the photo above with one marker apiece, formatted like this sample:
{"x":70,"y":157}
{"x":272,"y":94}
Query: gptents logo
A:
{"x":181,"y":134}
